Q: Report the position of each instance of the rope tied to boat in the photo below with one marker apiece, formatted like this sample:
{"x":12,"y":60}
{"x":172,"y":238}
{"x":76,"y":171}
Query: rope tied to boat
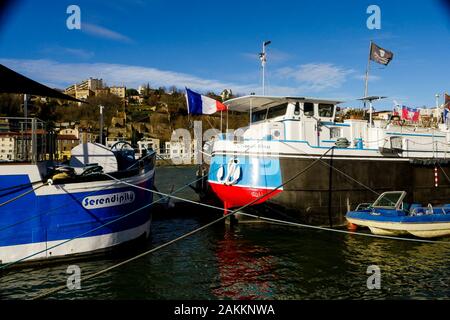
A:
{"x":239,"y":210}
{"x":289,"y":222}
{"x":49,"y":182}
{"x":23,"y":185}
{"x":49,"y":292}
{"x":443,"y":171}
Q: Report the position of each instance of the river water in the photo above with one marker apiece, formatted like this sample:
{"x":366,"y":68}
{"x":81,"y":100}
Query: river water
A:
{"x":247,"y":261}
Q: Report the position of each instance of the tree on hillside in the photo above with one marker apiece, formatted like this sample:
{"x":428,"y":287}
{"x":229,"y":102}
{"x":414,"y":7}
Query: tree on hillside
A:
{"x":10,"y":105}
{"x":90,"y":111}
{"x":132,"y":92}
{"x":214,"y":96}
{"x":147,"y":90}
{"x":111,"y":103}
{"x":46,"y":110}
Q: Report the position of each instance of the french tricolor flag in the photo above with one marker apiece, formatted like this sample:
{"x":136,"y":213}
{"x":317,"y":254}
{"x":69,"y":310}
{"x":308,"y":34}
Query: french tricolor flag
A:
{"x":198,"y":104}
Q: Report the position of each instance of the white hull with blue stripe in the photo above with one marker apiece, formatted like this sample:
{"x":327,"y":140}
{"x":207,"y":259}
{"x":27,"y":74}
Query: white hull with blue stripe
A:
{"x":74,"y":247}
{"x":72,"y":216}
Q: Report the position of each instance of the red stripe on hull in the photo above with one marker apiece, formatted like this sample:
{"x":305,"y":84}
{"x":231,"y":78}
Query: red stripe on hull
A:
{"x":236,"y":196}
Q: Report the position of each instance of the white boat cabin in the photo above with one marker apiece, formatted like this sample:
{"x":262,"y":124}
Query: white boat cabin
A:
{"x":312,"y":121}
{"x":289,"y":118}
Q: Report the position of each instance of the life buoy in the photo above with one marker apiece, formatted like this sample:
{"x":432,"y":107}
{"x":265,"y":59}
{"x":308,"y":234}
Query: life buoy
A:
{"x":233,"y":173}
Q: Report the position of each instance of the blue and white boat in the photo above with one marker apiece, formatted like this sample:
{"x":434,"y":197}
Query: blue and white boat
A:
{"x":42,"y":206}
{"x":287,"y":135}
{"x":392,"y":214}
{"x":96,"y":202}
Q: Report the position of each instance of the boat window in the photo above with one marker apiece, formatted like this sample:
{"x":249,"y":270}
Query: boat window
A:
{"x":388,"y":200}
{"x":277,"y":111}
{"x":335,"y":132}
{"x":272,"y":112}
{"x":308,"y":109}
{"x":259,"y":115}
{"x":325,"y":110}
{"x":297,"y":108}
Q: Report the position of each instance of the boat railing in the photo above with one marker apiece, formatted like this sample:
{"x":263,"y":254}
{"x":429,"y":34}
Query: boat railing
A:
{"x":363,"y":206}
{"x":419,"y":210}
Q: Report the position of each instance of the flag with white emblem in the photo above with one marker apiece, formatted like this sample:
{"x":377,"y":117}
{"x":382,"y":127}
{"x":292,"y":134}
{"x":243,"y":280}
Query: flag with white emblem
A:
{"x":380,"y":55}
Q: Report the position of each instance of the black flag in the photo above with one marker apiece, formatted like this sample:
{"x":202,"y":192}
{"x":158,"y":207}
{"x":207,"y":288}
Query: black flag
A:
{"x":380,"y":55}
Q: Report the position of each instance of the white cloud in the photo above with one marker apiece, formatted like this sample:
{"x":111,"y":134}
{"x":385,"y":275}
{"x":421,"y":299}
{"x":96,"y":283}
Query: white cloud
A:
{"x":61,"y":75}
{"x":103,"y":32}
{"x":76,"y":52}
{"x":64,"y":74}
{"x":81,"y":53}
{"x":316,"y":77}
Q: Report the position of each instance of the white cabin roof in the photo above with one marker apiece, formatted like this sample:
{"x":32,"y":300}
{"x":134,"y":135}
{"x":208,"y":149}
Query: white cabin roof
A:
{"x":243,"y":104}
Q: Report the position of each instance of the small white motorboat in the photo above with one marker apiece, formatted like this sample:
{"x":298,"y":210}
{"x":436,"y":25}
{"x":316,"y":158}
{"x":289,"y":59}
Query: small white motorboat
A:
{"x":391,"y":215}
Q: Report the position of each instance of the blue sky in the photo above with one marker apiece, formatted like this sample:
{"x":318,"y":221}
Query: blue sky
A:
{"x":319,"y":48}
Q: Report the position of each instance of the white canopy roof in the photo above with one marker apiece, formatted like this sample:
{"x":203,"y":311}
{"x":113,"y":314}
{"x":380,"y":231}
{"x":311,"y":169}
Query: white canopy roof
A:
{"x":243,"y":104}
{"x":90,"y":153}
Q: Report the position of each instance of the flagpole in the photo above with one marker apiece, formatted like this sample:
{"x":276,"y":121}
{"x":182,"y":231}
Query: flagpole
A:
{"x":221,"y":121}
{"x":251,"y":106}
{"x":187,"y":106}
{"x":227,"y":122}
{"x":262,"y":56}
{"x":263,"y":68}
{"x":366,"y":85}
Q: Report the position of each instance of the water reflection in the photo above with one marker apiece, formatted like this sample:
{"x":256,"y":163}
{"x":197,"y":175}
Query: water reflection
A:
{"x":245,"y":268}
{"x":409,"y":269}
{"x":250,"y":262}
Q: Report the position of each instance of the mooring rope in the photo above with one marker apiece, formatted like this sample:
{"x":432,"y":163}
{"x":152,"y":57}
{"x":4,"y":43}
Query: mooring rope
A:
{"x":286,"y":222}
{"x":343,"y":231}
{"x":4,"y":266}
{"x":92,"y":230}
{"x":54,"y":209}
{"x":232,"y":213}
{"x":189,"y":233}
{"x":239,"y":210}
{"x":44,"y":213}
{"x":443,"y":171}
{"x":338,"y":170}
{"x":23,"y":185}
{"x":62,"y":287}
{"x":25,"y":193}
{"x":283,"y":221}
{"x":138,"y":161}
